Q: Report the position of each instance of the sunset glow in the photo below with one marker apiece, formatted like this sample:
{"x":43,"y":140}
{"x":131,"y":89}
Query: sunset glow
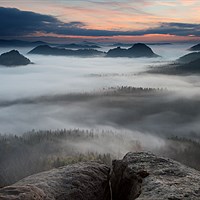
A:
{"x":123,"y":20}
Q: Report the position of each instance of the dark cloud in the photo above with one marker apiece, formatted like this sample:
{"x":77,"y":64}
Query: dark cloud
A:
{"x":15,"y":22}
{"x":180,"y":29}
{"x":22,"y":23}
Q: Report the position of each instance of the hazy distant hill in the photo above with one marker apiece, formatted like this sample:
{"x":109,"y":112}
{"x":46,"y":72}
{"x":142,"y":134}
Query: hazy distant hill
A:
{"x":187,"y":64}
{"x":122,"y":44}
{"x":137,"y":50}
{"x":189,"y":57}
{"x":181,"y":68}
{"x":195,"y":48}
{"x":20,"y":43}
{"x":47,"y":50}
{"x":131,"y":44}
{"x":193,"y":66}
{"x":159,"y":43}
{"x":88,"y":43}
{"x":79,"y":46}
{"x":13,"y":58}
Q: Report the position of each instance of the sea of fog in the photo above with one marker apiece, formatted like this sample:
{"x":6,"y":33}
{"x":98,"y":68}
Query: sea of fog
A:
{"x":59,"y":75}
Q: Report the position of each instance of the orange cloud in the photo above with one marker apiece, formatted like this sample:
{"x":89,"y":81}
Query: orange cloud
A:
{"x":128,"y":39}
{"x":107,"y":15}
{"x":188,"y":2}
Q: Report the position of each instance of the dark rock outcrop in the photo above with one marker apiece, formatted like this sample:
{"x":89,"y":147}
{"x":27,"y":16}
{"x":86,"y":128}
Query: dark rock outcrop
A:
{"x":195,"y":48}
{"x":141,"y":50}
{"x":83,"y":181}
{"x":147,"y":176}
{"x":136,"y":51}
{"x":13,"y":58}
{"x":54,"y":51}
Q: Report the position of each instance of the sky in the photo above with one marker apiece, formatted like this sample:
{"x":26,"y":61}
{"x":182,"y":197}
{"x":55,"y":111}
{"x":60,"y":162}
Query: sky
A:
{"x":101,"y":20}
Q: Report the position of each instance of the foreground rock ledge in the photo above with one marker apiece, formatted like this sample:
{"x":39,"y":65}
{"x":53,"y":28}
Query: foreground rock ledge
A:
{"x":142,"y":176}
{"x":83,"y":181}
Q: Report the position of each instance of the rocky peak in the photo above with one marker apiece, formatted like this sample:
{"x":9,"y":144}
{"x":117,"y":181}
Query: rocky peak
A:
{"x":141,"y":50}
{"x":137,"y":50}
{"x":13,"y":58}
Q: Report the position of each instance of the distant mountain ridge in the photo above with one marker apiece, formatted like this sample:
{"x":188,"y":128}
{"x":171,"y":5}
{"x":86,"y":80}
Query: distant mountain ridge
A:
{"x":193,"y":66}
{"x":79,"y":46}
{"x":119,"y":44}
{"x":137,"y":50}
{"x":20,"y":43}
{"x":55,"y":51}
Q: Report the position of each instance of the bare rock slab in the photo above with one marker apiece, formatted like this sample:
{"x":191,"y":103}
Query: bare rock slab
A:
{"x":82,"y":181}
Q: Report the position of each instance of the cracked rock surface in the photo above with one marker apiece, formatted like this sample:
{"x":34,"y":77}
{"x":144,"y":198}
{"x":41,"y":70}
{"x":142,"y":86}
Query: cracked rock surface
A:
{"x":162,"y":178}
{"x":82,"y":181}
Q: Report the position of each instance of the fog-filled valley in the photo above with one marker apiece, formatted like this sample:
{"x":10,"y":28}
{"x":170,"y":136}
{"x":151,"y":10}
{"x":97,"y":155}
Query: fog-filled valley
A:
{"x":60,"y":110}
{"x":52,"y":76}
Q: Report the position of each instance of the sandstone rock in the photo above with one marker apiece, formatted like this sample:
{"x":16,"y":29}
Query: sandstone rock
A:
{"x":147,"y":176}
{"x":27,"y":192}
{"x":141,"y":176}
{"x":83,"y":181}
